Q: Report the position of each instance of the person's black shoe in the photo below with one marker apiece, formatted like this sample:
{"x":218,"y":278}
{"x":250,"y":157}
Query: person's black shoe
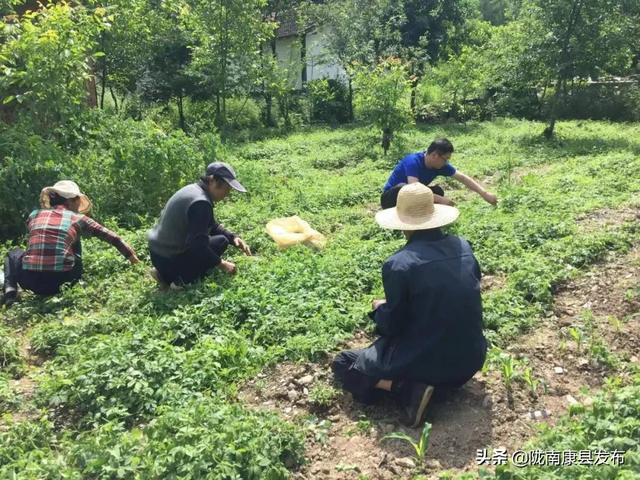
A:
{"x":9,"y":298}
{"x":415,"y":403}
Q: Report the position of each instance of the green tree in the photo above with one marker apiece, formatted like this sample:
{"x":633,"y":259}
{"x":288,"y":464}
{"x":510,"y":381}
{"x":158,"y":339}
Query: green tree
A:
{"x":578,"y":39}
{"x":382,"y":97}
{"x":227,"y":58}
{"x":278,"y":12}
{"x":430,"y":30}
{"x":45,"y":61}
{"x":126,"y":46}
{"x":359,"y":31}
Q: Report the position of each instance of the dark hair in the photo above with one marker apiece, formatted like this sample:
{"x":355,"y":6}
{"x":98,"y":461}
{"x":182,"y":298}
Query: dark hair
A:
{"x":440,"y":145}
{"x":206,"y":179}
{"x":55,"y":199}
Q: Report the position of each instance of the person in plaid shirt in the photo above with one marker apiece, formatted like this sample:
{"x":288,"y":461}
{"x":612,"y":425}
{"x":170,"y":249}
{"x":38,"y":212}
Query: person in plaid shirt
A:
{"x":53,"y":254}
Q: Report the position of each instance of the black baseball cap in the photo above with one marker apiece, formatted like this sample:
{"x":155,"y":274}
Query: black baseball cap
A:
{"x":226,"y":172}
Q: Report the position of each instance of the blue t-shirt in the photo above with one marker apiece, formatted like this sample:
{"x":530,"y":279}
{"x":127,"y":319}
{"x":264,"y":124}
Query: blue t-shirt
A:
{"x":413,"y":166}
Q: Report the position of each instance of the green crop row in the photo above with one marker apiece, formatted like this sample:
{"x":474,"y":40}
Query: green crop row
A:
{"x":127,"y":366}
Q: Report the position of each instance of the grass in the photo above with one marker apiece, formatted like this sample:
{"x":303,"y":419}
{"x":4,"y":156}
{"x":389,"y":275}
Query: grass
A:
{"x":129,"y":369}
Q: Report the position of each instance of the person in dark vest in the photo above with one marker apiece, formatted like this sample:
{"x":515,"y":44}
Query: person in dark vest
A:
{"x":424,"y":167}
{"x":430,"y":323}
{"x":187,"y":241}
{"x":54,"y":252}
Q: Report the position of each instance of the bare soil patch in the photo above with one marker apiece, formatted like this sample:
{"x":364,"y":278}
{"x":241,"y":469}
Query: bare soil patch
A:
{"x":345,"y":439}
{"x":607,"y":217}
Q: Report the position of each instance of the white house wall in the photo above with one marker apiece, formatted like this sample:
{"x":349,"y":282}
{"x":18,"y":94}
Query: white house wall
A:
{"x":288,"y":54}
{"x":319,"y":64}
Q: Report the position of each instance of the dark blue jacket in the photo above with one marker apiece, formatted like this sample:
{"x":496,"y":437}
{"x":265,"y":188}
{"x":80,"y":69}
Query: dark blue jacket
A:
{"x":431,"y":325}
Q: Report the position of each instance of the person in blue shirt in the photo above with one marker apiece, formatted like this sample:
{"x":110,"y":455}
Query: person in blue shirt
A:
{"x":424,"y":167}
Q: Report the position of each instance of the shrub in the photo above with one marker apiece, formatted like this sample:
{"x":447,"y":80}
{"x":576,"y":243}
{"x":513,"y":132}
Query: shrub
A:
{"x":10,"y":358}
{"x":43,"y":60}
{"x":381,"y":97}
{"x":113,"y":160}
{"x":329,"y":101}
{"x":27,"y":163}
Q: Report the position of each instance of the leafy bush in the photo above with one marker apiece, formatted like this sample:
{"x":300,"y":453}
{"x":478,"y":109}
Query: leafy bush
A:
{"x":10,"y":358}
{"x":329,"y":101}
{"x":44,"y":61}
{"x":381,"y":97}
{"x":611,"y":423}
{"x":112,"y":159}
{"x":27,"y":163}
{"x":127,"y":377}
{"x":598,"y":102}
{"x":243,"y":113}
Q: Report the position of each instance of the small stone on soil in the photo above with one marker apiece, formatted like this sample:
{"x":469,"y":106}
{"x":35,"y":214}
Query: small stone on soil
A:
{"x":306,"y":380}
{"x":558,"y":370}
{"x":292,"y":395}
{"x":405,"y":462}
{"x":570,"y":400}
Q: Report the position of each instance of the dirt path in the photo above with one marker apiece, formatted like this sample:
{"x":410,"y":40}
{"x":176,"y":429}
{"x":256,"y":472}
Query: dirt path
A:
{"x":345,"y":438}
{"x":24,"y":387}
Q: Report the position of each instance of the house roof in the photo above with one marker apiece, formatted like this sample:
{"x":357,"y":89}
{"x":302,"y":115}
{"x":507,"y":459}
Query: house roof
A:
{"x":287,"y":27}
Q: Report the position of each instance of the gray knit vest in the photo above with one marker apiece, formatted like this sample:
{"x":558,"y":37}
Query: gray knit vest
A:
{"x":169,"y":237}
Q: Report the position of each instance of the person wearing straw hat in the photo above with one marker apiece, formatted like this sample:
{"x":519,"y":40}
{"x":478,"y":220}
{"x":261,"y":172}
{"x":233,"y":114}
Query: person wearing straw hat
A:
{"x":430,"y":323}
{"x":187,"y":241}
{"x":54,"y":253}
{"x":424,"y":167}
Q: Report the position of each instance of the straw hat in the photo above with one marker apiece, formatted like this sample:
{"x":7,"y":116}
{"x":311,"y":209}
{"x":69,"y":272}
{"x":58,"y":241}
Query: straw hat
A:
{"x":66,"y":189}
{"x":415,"y":210}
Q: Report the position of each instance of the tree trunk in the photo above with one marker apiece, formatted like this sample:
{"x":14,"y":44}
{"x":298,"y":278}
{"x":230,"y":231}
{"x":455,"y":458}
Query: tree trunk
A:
{"x":92,"y":88}
{"x":563,"y":72}
{"x":387,"y":136}
{"x":218,"y":111}
{"x":115,"y":99}
{"x":103,"y":77}
{"x":103,"y":85}
{"x":414,"y":89}
{"x":303,"y":58}
{"x":183,"y":123}
{"x":268,"y":98}
{"x":351,"y":116}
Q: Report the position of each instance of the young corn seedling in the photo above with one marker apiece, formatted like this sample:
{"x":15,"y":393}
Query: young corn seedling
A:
{"x":615,"y":322}
{"x":420,"y":447}
{"x":508,"y":370}
{"x":531,"y":381}
{"x":577,"y":336}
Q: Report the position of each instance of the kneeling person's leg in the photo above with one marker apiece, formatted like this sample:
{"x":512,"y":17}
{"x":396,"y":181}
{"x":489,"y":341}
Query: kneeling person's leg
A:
{"x":361,"y":386}
{"x":218,"y":243}
{"x":437,"y":189}
{"x":389,"y":198}
{"x":12,"y":267}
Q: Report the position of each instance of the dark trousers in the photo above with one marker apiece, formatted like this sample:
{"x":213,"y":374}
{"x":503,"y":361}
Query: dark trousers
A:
{"x":188,"y":267}
{"x":41,"y":283}
{"x":389,"y":198}
{"x":361,"y":386}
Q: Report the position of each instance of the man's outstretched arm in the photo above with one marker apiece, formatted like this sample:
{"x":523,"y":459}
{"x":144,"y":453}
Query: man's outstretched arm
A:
{"x":473,"y":185}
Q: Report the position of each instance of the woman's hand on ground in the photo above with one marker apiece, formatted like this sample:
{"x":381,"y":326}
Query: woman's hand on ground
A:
{"x":242,"y":245}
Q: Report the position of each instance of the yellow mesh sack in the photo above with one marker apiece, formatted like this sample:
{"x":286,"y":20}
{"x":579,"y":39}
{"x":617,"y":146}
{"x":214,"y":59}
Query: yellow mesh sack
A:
{"x":294,"y":231}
